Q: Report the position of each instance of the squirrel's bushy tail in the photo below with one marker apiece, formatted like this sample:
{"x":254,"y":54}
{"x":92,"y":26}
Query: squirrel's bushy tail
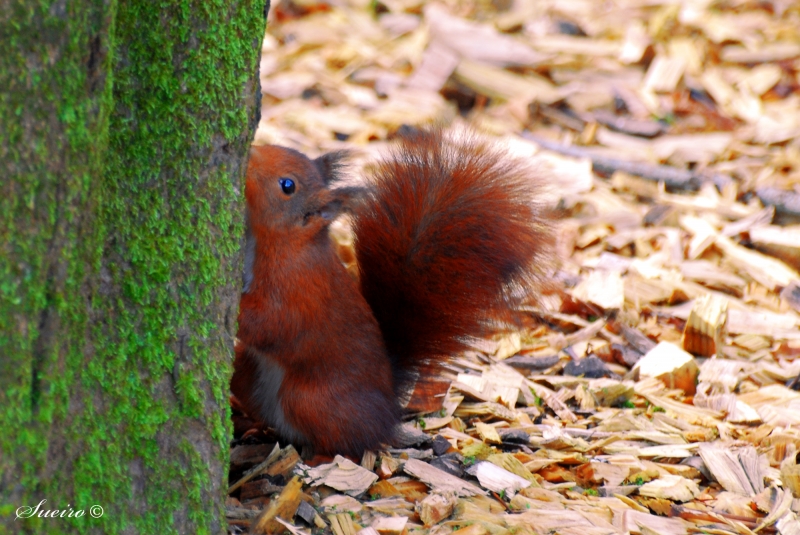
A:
{"x":449,"y":238}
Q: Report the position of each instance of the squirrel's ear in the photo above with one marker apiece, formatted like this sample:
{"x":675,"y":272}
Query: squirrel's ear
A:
{"x":344,"y":200}
{"x":332,"y":165}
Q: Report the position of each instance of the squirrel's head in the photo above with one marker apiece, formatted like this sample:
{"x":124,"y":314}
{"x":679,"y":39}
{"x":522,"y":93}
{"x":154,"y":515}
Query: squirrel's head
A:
{"x":285,"y":190}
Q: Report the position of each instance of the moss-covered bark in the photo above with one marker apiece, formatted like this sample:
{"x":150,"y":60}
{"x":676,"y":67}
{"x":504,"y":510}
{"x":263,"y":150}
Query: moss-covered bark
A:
{"x":123,"y":132}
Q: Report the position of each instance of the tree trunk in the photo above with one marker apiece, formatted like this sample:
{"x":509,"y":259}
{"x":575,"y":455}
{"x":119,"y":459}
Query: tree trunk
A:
{"x":124,"y":128}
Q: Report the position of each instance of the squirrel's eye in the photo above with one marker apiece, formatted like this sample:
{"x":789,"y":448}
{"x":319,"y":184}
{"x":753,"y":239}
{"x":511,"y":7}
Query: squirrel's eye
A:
{"x":287,"y":185}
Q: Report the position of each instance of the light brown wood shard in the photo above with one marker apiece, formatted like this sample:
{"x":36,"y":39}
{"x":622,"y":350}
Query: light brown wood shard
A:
{"x":504,"y":85}
{"x":737,"y":470}
{"x":779,"y":326}
{"x":473,"y":529}
{"x":388,"y":466}
{"x":552,"y":401}
{"x":664,"y":73}
{"x":671,"y":487}
{"x":342,"y":524}
{"x":259,"y":469}
{"x":390,"y":525}
{"x":488,"y":433}
{"x":788,"y":524}
{"x":439,"y":479}
{"x":436,"y":507}
{"x":780,"y":242}
{"x":562,"y":520}
{"x":368,"y":460}
{"x":342,"y":474}
{"x":479,"y":42}
{"x":736,"y":410}
{"x":705,"y":328}
{"x":284,"y":506}
{"x":636,"y":522}
{"x":498,"y":479}
{"x":672,"y":365}
{"x":602,"y":288}
{"x":768,"y":271}
{"x":513,"y":465}
{"x":790,"y":475}
{"x":285,"y":463}
{"x":776,"y":51}
{"x":778,"y":505}
{"x":383,"y":489}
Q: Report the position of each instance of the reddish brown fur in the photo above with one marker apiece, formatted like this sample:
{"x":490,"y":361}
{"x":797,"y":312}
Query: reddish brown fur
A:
{"x":448,"y":238}
{"x":305,"y":313}
{"x":445,"y":238}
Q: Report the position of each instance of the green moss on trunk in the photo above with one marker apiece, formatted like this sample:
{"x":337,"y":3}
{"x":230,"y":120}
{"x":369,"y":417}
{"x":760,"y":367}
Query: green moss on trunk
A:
{"x":126,"y":125}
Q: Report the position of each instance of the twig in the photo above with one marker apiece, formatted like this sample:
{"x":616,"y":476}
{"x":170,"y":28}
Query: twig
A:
{"x":256,"y":470}
{"x":672,"y":177}
{"x":785,"y":202}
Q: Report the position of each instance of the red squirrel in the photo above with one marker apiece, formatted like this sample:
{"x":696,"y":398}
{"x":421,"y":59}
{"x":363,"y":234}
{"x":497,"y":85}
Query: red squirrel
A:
{"x":448,"y":238}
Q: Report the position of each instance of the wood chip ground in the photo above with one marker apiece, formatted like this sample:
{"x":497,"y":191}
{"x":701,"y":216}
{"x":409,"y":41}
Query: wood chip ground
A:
{"x":653,"y":388}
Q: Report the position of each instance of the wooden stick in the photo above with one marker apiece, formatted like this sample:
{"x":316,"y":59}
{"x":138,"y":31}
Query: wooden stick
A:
{"x":256,"y":470}
{"x":674,"y":178}
{"x":785,"y":202}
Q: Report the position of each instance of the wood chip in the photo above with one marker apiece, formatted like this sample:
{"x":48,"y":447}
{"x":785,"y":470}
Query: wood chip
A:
{"x":440,"y":480}
{"x":602,"y":288}
{"x":705,"y":328}
{"x":390,"y":525}
{"x":667,"y":137}
{"x":497,"y":479}
{"x":488,"y":433}
{"x":436,"y":507}
{"x":259,"y":469}
{"x":342,"y":524}
{"x":342,"y":474}
{"x":284,"y":506}
{"x":673,"y":366}
{"x":671,"y":487}
{"x":737,"y":470}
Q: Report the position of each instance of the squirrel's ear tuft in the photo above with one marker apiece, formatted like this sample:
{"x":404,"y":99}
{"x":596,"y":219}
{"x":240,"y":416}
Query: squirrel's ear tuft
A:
{"x":344,"y":200}
{"x":332,"y":165}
